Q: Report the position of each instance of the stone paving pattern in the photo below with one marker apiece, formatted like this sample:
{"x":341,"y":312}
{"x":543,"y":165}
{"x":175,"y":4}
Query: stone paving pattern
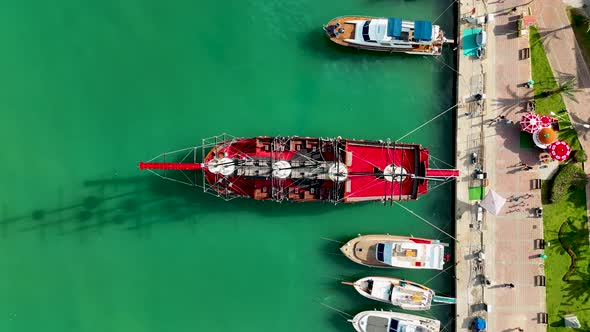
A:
{"x":508,"y":240}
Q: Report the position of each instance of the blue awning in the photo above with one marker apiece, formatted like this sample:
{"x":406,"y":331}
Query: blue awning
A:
{"x":394,"y":27}
{"x":423,"y":30}
{"x":383,"y":252}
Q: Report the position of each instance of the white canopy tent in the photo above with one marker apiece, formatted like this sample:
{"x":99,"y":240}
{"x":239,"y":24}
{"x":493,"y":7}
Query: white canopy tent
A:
{"x":493,"y":202}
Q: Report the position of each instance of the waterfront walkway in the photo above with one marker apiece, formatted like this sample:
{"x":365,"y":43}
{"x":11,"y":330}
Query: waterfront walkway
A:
{"x":508,"y":240}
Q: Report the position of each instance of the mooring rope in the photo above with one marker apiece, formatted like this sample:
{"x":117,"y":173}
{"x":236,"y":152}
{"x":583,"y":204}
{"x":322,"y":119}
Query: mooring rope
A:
{"x":337,"y":310}
{"x":328,"y":239}
{"x":426,"y":221}
{"x":442,"y":161}
{"x":441,"y":14}
{"x":427,"y":122}
{"x":445,"y":270}
{"x":444,"y":328}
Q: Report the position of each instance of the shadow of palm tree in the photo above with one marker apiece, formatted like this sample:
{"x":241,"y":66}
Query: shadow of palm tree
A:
{"x":577,"y":121}
{"x":553,"y":238}
{"x":507,"y":105}
{"x":506,"y":10}
{"x":565,"y":88}
{"x":576,"y":235}
{"x":547,"y":34}
{"x":578,"y":289}
{"x":562,"y":77}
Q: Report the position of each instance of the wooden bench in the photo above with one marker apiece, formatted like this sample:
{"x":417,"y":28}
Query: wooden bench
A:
{"x":525,"y":53}
{"x":542,"y":318}
{"x":540,"y":281}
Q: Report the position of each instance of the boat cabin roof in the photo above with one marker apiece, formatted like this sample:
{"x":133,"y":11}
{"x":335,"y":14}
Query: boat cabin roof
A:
{"x":385,"y":29}
{"x":410,"y":254}
{"x":397,"y":326}
{"x":382,"y":324}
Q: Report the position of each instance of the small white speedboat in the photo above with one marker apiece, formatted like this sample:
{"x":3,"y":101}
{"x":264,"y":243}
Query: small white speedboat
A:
{"x":405,"y":294}
{"x":384,"y":250}
{"x":387,"y":321}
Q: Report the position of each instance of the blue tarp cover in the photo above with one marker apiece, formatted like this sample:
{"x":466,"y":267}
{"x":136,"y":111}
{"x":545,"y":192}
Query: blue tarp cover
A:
{"x":394,"y":27}
{"x":423,"y":30}
{"x":469,"y":43}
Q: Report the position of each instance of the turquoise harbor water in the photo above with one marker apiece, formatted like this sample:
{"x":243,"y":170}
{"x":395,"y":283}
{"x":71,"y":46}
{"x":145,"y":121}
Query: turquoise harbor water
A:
{"x":88,"y":243}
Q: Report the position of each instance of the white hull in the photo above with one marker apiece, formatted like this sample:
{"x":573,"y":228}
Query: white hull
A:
{"x":386,"y":34}
{"x":405,"y":294}
{"x":382,"y":321}
{"x":398,"y":252}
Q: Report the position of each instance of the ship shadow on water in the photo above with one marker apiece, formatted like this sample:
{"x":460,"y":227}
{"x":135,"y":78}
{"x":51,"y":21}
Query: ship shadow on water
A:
{"x":317,"y":43}
{"x":140,"y":202}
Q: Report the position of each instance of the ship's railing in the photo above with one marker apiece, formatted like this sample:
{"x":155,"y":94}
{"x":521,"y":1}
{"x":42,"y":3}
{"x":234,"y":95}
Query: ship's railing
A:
{"x":191,"y":155}
{"x":206,"y":145}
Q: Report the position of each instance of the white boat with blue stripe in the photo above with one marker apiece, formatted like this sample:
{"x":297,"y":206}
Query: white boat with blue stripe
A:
{"x":386,"y":34}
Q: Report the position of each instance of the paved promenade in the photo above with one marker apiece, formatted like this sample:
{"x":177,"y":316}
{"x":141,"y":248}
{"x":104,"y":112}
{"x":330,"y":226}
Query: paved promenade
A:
{"x":507,"y":240}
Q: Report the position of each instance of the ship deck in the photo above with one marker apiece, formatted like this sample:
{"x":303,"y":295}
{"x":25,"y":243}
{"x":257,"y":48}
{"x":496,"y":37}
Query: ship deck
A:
{"x":362,"y":249}
{"x":349,"y":28}
{"x":365,"y":159}
{"x":368,"y":165}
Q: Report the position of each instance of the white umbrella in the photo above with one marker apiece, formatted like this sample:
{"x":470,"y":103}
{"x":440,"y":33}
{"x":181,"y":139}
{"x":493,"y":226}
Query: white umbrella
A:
{"x":493,"y":202}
